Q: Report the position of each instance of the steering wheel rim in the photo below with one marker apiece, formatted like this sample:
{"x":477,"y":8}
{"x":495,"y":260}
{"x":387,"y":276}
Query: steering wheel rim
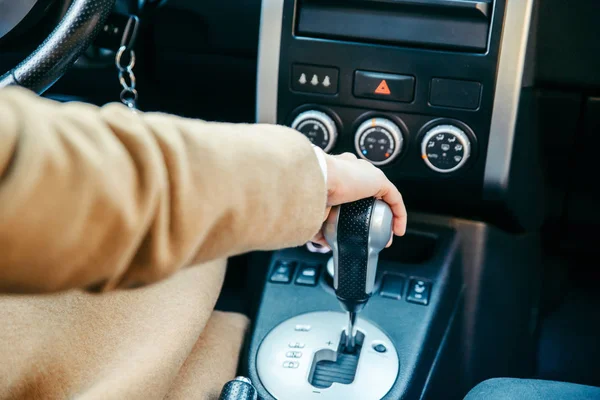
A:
{"x":71,"y":37}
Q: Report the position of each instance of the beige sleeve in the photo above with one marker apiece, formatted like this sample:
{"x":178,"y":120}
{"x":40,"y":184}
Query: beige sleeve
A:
{"x":105,"y":198}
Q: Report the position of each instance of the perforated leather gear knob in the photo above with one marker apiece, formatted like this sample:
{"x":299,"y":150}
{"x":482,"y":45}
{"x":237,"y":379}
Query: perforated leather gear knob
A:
{"x":357,"y":232}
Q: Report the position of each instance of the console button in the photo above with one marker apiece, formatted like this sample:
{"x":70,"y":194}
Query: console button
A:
{"x":282,"y":273}
{"x":293,"y":354}
{"x":392,"y":286}
{"x":302,"y":328}
{"x":311,"y":79}
{"x":307,"y":275}
{"x":380,"y":86}
{"x":296,"y":345}
{"x":455,"y":93}
{"x":380,"y":348}
{"x":291,"y":364}
{"x":418,"y":292}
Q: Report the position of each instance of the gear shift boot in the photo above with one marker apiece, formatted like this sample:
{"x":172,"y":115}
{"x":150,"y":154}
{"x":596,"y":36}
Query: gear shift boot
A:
{"x":305,"y":357}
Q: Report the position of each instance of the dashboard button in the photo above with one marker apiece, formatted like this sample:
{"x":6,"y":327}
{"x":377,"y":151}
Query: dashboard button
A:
{"x":313,"y":79}
{"x":392,"y":286}
{"x":454,"y":93}
{"x":380,"y":86}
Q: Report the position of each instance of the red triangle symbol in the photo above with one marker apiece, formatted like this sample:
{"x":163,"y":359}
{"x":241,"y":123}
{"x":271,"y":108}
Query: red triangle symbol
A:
{"x":383,"y":88}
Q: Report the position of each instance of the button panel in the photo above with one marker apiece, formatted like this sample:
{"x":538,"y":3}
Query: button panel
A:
{"x":283,"y":271}
{"x":418,"y":292}
{"x":380,"y":86}
{"x":313,"y":79}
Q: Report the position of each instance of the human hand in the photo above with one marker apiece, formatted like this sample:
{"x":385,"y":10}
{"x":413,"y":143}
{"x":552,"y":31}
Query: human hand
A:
{"x":350,"y":179}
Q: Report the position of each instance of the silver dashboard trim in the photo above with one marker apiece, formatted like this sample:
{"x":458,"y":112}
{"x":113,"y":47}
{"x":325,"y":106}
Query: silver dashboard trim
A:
{"x":511,"y":65}
{"x":269,"y":44}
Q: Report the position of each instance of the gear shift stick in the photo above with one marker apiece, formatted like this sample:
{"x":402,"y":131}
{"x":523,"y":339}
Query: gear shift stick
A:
{"x":357,"y":232}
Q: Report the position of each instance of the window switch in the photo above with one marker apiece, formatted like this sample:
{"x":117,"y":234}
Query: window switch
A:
{"x":307,"y":275}
{"x":418,"y":292}
{"x":283,"y":271}
{"x":392,"y":286}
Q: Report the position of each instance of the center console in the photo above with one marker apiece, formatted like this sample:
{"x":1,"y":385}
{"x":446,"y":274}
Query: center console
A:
{"x":453,"y":305}
{"x":435,"y":93}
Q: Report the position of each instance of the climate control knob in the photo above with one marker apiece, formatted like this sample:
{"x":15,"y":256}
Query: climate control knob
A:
{"x":378,"y":140}
{"x":318,"y":127}
{"x":445,"y":148}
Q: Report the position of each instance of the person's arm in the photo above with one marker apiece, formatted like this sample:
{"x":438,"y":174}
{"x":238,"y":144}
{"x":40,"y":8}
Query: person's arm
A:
{"x":104,"y":198}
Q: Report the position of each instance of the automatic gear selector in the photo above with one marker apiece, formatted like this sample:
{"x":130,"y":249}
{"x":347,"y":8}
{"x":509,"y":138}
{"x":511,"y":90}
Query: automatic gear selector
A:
{"x":336,"y":355}
{"x":357,"y":232}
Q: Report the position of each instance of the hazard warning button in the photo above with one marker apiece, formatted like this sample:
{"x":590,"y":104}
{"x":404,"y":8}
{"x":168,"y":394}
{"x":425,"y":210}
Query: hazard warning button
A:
{"x":377,"y":85}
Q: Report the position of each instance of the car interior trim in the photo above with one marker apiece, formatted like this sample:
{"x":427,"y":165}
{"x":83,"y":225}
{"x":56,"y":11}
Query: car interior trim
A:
{"x":511,"y":65}
{"x":267,"y":80}
{"x":13,"y":15}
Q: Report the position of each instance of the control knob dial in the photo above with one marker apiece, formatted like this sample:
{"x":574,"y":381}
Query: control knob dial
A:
{"x":379,"y":141}
{"x":318,"y":127}
{"x":445,"y":148}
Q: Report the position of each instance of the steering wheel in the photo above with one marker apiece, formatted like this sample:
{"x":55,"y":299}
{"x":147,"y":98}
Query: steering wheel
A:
{"x":75,"y":32}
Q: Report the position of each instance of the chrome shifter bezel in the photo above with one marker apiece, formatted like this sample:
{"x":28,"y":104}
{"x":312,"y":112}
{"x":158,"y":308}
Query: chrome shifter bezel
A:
{"x":375,"y":375}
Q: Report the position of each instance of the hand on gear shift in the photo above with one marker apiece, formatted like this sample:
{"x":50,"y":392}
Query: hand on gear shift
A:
{"x":350,"y":179}
{"x":357,"y":232}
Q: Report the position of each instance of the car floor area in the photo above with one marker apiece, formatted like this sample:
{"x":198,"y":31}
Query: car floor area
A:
{"x":569,"y":331}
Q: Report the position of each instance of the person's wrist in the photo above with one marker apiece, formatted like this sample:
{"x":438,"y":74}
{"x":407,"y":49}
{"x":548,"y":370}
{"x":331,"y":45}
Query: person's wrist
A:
{"x":332,"y":176}
{"x":321,"y":157}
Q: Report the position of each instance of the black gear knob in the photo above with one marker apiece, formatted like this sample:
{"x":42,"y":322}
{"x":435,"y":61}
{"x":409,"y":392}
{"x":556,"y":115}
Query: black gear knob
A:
{"x":356,"y":233}
{"x":240,"y":388}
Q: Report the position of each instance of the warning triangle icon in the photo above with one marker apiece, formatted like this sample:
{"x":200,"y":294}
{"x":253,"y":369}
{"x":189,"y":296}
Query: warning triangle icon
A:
{"x":383,"y":88}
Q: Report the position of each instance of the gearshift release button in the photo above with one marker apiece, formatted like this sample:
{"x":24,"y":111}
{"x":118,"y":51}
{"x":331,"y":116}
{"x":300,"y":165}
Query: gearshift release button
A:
{"x":392,"y":286}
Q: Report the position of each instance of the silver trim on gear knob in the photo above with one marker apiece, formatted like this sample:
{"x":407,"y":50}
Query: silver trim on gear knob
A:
{"x":380,"y":233}
{"x":330,"y":233}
